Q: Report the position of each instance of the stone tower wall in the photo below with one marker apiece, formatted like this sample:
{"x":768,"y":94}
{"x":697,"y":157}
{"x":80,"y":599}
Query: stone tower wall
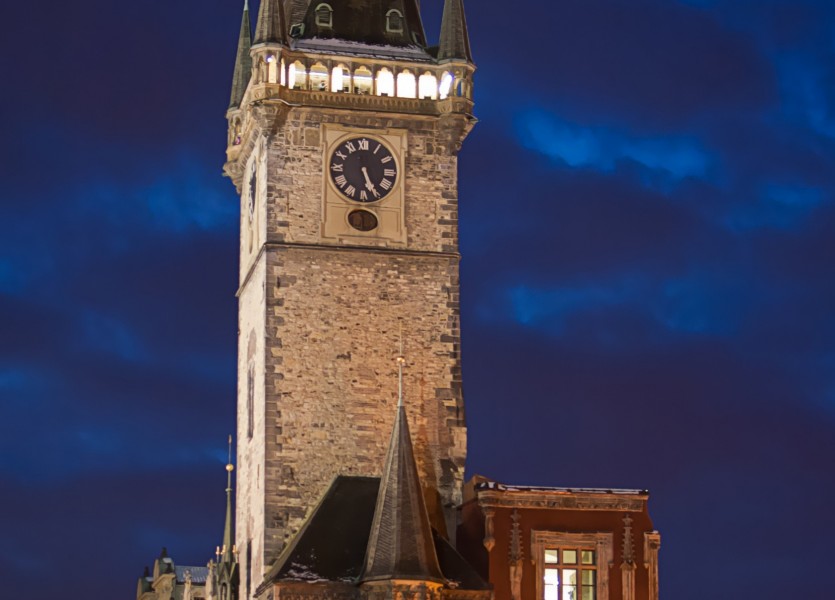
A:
{"x":327,"y":319}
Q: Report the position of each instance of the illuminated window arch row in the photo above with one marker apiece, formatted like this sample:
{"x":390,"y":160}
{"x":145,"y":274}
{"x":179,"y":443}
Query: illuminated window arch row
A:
{"x":338,"y":77}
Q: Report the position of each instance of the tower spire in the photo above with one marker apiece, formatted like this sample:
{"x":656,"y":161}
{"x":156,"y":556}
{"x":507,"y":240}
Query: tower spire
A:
{"x":243,"y":61}
{"x":401,"y":546}
{"x":227,"y":549}
{"x":455,"y":40}
{"x":270,"y":28}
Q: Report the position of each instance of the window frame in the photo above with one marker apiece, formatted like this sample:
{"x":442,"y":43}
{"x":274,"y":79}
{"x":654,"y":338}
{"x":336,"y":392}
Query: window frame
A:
{"x":389,"y":15}
{"x":317,"y":14}
{"x":599,"y":542}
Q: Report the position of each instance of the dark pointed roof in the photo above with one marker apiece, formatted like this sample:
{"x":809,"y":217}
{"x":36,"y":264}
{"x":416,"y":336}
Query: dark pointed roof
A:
{"x":243,"y":61}
{"x":364,"y":21}
{"x":400,"y":545}
{"x":295,"y":10}
{"x":271,"y":26}
{"x":455,"y":40}
{"x":331,"y":544}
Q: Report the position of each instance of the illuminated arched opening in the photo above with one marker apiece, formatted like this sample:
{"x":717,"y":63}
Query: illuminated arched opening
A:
{"x":446,"y":85}
{"x":319,"y":77}
{"x":340,"y":79}
{"x":427,"y":86}
{"x":385,"y":82}
{"x":406,"y":85}
{"x":297,"y":76}
{"x":363,"y":81}
{"x":272,"y":68}
{"x":283,"y":80}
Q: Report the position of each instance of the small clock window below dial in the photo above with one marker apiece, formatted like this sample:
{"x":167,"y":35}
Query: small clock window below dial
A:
{"x":363,"y":169}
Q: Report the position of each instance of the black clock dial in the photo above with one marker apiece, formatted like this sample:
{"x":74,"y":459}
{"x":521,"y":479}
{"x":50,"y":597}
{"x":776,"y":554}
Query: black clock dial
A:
{"x":363,"y":169}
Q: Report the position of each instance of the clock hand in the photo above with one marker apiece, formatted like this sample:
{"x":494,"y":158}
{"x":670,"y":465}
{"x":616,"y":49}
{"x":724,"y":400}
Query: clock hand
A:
{"x":368,"y":183}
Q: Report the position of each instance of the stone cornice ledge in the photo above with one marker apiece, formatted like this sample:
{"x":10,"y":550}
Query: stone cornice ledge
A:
{"x":562,"y":499}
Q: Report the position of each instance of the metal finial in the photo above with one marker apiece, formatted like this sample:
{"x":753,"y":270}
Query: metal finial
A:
{"x":229,"y":468}
{"x":401,"y":360}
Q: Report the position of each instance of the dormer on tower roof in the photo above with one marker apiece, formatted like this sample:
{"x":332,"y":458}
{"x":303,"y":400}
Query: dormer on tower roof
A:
{"x":455,"y":40}
{"x":243,"y":61}
{"x":271,"y":27}
{"x":373,"y":22}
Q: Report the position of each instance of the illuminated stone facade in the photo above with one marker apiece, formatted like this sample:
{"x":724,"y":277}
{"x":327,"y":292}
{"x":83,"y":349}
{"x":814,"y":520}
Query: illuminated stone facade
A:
{"x":323,"y":304}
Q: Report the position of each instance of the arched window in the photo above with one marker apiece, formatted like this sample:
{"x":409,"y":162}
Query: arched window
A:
{"x":340,"y":80}
{"x":271,"y":68}
{"x":283,"y":76}
{"x":363,"y":81}
{"x":394,"y":21}
{"x":385,"y":82}
{"x":446,"y":85}
{"x":297,"y":76}
{"x":427,"y":86}
{"x":319,"y":77}
{"x":324,"y":15}
{"x":406,"y":84}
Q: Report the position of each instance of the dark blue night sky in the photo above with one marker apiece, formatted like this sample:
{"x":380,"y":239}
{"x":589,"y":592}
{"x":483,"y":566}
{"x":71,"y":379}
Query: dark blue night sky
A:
{"x":648,"y":232}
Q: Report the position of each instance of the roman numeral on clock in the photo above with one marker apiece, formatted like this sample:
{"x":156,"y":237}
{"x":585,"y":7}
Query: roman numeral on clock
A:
{"x":363,"y":144}
{"x":388,"y":172}
{"x":385,"y":184}
{"x":337,"y":168}
{"x":341,"y":181}
{"x":385,"y":159}
{"x":350,"y":191}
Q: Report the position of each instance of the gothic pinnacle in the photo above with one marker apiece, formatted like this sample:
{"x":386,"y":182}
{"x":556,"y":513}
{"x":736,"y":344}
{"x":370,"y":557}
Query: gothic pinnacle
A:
{"x":455,"y":40}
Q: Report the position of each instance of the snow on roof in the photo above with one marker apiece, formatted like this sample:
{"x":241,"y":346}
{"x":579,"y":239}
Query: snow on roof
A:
{"x":199,"y":575}
{"x":335,"y":46}
{"x":494,"y":485}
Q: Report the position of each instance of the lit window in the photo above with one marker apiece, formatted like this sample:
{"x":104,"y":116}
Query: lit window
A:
{"x":363,"y":81}
{"x":319,"y":77}
{"x":324,"y":15}
{"x":394,"y":21}
{"x":385,"y":83}
{"x":406,"y":85}
{"x":339,"y":81}
{"x":572,"y":566}
{"x":427,"y":86}
{"x":446,"y":85}
{"x":569,"y":574}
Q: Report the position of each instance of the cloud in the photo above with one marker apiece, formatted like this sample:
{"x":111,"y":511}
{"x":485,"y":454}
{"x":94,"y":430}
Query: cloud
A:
{"x":604,"y":148}
{"x":779,"y":207}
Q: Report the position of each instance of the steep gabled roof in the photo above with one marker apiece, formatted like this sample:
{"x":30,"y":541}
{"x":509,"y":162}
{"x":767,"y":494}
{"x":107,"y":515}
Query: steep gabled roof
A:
{"x":455,"y":39}
{"x":331,"y":544}
{"x":271,"y":27}
{"x":243,"y":61}
{"x":364,"y":21}
{"x":400,"y":545}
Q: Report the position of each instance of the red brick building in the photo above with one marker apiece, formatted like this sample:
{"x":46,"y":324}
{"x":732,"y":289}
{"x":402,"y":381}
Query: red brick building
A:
{"x":535,"y":543}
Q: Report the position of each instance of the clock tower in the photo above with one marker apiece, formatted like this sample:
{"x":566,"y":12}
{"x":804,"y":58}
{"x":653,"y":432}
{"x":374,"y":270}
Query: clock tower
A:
{"x":344,"y":131}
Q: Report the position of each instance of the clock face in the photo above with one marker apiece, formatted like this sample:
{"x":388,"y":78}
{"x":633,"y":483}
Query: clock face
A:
{"x":363,"y":169}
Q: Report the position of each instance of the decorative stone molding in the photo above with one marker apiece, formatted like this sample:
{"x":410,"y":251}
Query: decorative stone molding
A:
{"x":652,"y":544}
{"x":489,"y":539}
{"x":516,"y":556}
{"x":627,"y":566}
{"x":569,"y":501}
{"x":601,"y":542}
